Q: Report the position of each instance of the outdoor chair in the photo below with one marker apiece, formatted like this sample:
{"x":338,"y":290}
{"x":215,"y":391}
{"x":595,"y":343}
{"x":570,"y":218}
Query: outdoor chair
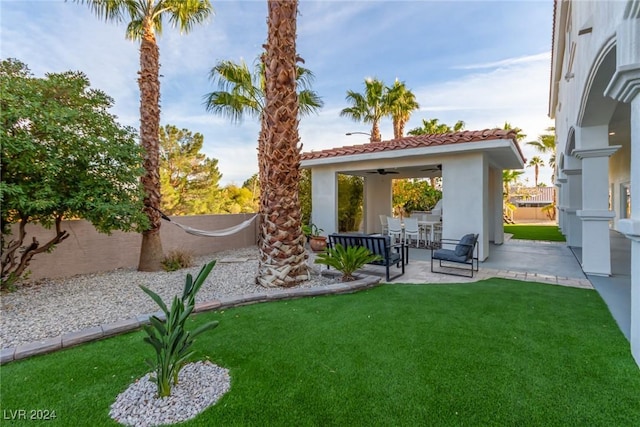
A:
{"x":383,"y":222}
{"x":464,"y":252}
{"x":412,"y":231}
{"x":394,"y":229}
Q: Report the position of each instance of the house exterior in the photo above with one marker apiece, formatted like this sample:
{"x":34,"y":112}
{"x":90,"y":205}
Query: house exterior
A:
{"x":595,"y":101}
{"x":469,"y":162}
{"x":531,"y":204}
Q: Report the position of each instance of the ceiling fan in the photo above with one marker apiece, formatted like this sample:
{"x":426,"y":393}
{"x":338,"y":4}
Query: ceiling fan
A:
{"x":432,"y":168}
{"x":383,"y":172}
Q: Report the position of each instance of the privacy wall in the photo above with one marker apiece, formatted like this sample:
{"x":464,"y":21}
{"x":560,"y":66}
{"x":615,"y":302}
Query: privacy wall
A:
{"x":87,"y":251}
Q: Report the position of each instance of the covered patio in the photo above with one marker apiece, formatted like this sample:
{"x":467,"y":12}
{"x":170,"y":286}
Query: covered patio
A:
{"x":470,"y":164}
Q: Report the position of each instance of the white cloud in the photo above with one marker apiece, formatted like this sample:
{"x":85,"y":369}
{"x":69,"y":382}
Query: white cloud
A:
{"x":546,"y":56}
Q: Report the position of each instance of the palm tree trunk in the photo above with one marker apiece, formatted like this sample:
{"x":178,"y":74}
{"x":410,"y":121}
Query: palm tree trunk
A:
{"x":400,"y":131}
{"x":282,"y":254}
{"x":149,"y":83}
{"x":375,"y":132}
{"x":397,"y":128}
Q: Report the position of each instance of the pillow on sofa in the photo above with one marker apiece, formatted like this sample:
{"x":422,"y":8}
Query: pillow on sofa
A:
{"x":465,"y":246}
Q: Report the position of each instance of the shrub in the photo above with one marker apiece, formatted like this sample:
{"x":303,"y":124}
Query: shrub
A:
{"x":348,"y":260}
{"x":177,"y":260}
{"x":169,"y":338}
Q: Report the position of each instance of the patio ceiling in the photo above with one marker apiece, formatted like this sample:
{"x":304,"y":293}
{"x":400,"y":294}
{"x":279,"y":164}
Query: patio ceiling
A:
{"x":419,"y":156}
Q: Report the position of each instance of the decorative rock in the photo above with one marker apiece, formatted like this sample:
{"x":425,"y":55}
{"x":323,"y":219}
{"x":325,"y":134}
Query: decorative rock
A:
{"x":200,"y":385}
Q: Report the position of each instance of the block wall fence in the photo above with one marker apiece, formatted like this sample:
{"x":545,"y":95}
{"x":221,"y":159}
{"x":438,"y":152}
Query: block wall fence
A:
{"x":87,"y":251}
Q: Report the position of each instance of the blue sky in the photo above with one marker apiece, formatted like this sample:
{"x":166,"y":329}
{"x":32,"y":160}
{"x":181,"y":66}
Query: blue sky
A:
{"x":478,"y":61}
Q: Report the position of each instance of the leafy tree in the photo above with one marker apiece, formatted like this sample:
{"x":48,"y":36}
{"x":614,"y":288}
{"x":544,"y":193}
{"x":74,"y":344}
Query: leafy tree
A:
{"x":145,"y":21}
{"x":237,"y":200}
{"x":401,"y":103}
{"x":188,"y":178}
{"x":536,"y":162}
{"x":241,"y":92}
{"x":350,"y":202}
{"x":282,"y":259}
{"x":368,"y":107}
{"x":432,"y":127}
{"x":63,"y":156}
{"x":414,"y":195}
{"x":253,"y":184}
{"x":305,"y":195}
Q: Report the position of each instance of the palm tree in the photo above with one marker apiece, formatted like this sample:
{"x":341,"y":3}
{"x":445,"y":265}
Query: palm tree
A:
{"x":368,"y":107}
{"x":519,"y":135}
{"x":546,"y":143}
{"x":401,"y":103}
{"x":431,"y":127}
{"x":536,"y":162}
{"x":282,"y":254}
{"x":145,"y":21}
{"x":241,"y":92}
{"x":508,"y":178}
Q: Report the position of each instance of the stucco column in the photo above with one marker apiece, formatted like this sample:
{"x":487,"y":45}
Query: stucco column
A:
{"x":595,"y":213}
{"x":324,"y":199}
{"x":560,"y":203}
{"x":496,"y":221}
{"x":573,"y":203}
{"x":465,"y":207}
{"x":625,"y":87}
{"x":377,"y":201}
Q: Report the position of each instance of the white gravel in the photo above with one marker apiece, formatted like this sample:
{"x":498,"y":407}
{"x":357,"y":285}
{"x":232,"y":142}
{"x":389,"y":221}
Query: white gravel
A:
{"x":54,"y":307}
{"x":200,"y":385}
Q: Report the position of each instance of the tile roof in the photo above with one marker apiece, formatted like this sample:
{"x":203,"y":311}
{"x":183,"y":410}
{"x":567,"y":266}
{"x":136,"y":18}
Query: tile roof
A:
{"x":418,"y":141}
{"x":536,"y":194}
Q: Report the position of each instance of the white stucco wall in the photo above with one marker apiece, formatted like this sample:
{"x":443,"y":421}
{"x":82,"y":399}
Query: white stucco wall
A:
{"x":324,"y":192}
{"x":603,"y":18}
{"x":377,"y":201}
{"x":465,"y":199}
{"x":596,"y":70}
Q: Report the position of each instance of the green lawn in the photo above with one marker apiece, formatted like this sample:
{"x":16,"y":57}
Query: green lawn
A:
{"x":534,"y":232}
{"x":496,"y":352}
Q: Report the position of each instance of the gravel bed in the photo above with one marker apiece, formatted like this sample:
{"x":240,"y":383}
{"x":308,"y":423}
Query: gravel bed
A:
{"x":200,"y":385}
{"x":54,"y":307}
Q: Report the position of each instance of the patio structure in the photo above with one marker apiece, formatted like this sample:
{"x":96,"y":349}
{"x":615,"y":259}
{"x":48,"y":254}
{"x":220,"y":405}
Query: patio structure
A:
{"x":595,"y":101}
{"x":470,"y":164}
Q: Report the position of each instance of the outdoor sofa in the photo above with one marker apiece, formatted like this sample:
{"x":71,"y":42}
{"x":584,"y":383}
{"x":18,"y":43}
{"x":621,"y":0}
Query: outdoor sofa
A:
{"x":378,"y":244}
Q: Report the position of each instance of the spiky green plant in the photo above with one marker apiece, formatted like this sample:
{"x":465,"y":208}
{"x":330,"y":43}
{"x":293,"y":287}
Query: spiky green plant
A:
{"x":169,"y":337}
{"x":346,"y":260}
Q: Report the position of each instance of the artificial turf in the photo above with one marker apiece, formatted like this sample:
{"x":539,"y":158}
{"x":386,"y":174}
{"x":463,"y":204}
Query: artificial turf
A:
{"x":534,"y":232}
{"x":496,"y":352}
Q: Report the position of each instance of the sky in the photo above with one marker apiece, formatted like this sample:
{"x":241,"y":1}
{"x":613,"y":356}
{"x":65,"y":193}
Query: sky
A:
{"x":483,"y":62}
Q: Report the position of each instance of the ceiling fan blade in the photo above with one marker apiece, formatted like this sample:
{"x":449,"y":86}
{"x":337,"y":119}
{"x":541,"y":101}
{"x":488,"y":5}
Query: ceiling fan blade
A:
{"x":382,"y":172}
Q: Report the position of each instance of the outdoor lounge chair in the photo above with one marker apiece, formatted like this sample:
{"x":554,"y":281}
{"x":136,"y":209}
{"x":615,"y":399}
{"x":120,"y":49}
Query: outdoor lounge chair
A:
{"x":463,"y":252}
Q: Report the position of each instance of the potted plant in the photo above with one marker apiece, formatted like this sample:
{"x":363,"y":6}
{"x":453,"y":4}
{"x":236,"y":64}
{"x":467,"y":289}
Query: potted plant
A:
{"x":347,"y":260}
{"x":317,"y":242}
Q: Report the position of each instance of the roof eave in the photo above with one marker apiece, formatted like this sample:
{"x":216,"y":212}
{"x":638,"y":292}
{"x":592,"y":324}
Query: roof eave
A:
{"x":516,"y":162}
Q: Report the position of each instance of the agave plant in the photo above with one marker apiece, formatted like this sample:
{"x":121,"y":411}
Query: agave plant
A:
{"x":169,"y":338}
{"x":346,"y":260}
